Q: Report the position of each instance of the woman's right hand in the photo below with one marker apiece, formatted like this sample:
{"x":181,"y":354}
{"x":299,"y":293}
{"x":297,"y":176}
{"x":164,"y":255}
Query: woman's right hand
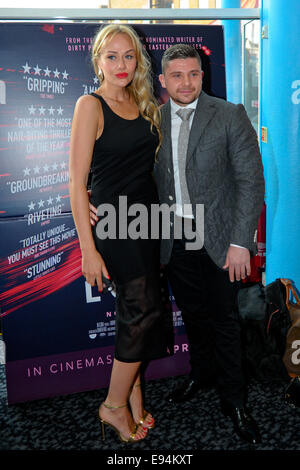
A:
{"x":93,"y":267}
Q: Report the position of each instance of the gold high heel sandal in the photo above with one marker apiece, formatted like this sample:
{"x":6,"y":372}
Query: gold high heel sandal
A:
{"x":149,"y":425}
{"x":131,"y":438}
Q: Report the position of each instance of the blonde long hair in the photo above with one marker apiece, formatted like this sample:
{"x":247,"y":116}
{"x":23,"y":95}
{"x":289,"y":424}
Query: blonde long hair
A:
{"x":141,"y":87}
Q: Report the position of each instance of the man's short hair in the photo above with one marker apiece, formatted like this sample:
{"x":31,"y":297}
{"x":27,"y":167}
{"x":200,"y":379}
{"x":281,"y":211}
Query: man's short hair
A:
{"x":179,"y":51}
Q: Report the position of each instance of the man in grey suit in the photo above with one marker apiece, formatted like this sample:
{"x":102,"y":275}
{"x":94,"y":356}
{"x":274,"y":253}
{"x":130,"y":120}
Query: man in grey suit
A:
{"x":221,"y":170}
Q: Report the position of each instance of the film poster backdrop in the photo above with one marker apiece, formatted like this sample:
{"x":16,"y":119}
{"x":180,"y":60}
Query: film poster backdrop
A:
{"x":58,"y":330}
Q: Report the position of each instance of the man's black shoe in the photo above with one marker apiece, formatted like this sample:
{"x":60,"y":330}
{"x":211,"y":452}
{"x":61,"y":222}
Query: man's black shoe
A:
{"x":187,"y":390}
{"x":244,"y":425}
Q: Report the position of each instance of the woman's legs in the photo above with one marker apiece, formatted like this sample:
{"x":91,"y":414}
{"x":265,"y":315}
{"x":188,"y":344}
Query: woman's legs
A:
{"x":136,"y":403}
{"x":122,"y":378}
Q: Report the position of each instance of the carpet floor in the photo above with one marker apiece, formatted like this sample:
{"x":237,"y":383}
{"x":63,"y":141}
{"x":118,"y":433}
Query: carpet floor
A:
{"x":70,"y":423}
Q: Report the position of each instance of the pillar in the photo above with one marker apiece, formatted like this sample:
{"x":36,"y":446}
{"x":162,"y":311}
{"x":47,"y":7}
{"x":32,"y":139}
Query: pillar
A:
{"x":280,"y":119}
{"x":233,"y":54}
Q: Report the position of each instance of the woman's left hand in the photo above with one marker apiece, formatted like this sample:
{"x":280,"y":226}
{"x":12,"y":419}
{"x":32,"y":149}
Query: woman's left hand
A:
{"x":93,"y":211}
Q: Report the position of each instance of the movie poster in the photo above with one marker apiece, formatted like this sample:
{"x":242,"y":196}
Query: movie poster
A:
{"x":58,"y":330}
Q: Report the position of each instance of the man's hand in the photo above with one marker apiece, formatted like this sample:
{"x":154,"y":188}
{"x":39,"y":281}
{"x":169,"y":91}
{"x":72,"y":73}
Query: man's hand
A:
{"x":238,"y":263}
{"x":93,"y":212}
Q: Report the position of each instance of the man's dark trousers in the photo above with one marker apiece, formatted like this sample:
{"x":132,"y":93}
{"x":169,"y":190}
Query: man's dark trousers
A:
{"x":207,"y":300}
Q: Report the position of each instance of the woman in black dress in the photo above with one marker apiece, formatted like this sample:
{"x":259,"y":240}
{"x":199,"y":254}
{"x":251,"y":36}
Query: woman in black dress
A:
{"x":116,"y":133}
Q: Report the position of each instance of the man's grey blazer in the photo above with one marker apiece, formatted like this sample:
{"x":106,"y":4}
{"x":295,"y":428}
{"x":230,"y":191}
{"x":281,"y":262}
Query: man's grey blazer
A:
{"x":223,"y":171}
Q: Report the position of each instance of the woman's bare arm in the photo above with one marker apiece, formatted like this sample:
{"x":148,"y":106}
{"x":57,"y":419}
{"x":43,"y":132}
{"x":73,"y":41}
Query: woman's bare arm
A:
{"x":85,"y":127}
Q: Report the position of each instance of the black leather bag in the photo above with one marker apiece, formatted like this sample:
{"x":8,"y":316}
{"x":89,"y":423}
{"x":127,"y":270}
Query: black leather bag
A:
{"x":292,"y":393}
{"x":278,"y":320}
{"x":264,"y":324}
{"x":291,"y":358}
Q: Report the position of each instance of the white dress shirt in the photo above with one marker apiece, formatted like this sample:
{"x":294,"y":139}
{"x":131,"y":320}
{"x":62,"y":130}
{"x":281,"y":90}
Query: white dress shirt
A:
{"x":175,"y":127}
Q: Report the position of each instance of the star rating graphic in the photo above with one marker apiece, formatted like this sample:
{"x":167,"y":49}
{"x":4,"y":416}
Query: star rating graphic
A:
{"x":37,"y":70}
{"x":46,"y":168}
{"x":26,"y":68}
{"x":43,"y":110}
{"x":41,"y":203}
{"x":31,"y":109}
{"x":55,"y":166}
{"x":46,"y":72}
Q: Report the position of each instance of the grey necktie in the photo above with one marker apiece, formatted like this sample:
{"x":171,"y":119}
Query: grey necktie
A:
{"x":183,"y":139}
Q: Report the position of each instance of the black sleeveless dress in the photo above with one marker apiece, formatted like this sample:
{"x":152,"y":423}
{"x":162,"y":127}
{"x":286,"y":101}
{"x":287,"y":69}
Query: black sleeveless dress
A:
{"x":121,"y":170}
